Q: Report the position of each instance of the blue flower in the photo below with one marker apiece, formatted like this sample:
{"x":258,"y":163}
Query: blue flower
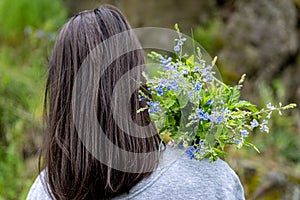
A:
{"x":165,"y":61}
{"x":198,"y":86}
{"x":184,"y":72}
{"x":163,"y":82}
{"x":141,"y":98}
{"x":168,"y":66}
{"x":269,"y":106}
{"x":175,"y":89}
{"x":174,"y":85}
{"x":264,"y":122}
{"x":160,"y":90}
{"x":244,"y":133}
{"x":198,"y":150}
{"x":207,"y":78}
{"x":201,"y":142}
{"x":204,"y":72}
{"x":264,"y":128}
{"x":202,"y":115}
{"x":175,"y":76}
{"x":209,"y":102}
{"x":254,"y":123}
{"x":196,"y":69}
{"x":150,"y":103}
{"x":191,"y":152}
{"x":180,"y":42}
{"x":237,"y":141}
{"x":209,"y":67}
{"x":154,"y":107}
{"x":177,"y":48}
{"x":217,"y":118}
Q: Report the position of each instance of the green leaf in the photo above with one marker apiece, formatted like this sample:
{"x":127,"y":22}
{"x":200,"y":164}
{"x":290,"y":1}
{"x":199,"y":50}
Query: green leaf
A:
{"x":219,"y":130}
{"x":213,"y":158}
{"x":190,"y":61}
{"x":245,"y":104}
{"x":163,"y":129}
{"x":170,"y":120}
{"x":251,"y":145}
{"x":210,"y":138}
{"x":176,"y":27}
{"x":155,"y":117}
{"x":292,"y":105}
{"x":219,"y":152}
{"x":221,"y":142}
{"x":235,"y":94}
{"x":183,"y":100}
{"x":169,"y":102}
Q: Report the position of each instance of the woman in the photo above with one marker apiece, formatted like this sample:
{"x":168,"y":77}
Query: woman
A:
{"x":72,"y":166}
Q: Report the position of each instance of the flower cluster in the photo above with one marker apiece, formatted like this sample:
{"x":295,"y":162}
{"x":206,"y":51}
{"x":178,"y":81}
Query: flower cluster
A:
{"x":200,"y":112}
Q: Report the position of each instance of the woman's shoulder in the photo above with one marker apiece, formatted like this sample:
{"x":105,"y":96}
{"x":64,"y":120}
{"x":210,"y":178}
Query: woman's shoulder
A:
{"x":190,"y":179}
{"x":218,"y":169}
{"x":211,"y":180}
{"x":38,"y":189}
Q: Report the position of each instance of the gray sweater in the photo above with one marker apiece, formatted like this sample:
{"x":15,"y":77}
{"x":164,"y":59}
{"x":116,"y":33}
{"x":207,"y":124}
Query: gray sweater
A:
{"x":177,"y":177}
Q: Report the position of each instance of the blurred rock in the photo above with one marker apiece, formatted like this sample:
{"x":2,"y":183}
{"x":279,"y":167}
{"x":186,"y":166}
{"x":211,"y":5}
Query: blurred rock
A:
{"x":293,"y":192}
{"x":272,"y":181}
{"x":260,"y":38}
{"x":291,"y":81}
{"x":188,"y":14}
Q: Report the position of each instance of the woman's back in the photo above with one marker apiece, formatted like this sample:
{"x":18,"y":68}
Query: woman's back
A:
{"x":180,"y":178}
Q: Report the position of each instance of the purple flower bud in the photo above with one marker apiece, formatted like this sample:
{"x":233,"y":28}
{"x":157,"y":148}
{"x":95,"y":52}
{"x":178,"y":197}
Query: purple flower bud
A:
{"x":177,"y":48}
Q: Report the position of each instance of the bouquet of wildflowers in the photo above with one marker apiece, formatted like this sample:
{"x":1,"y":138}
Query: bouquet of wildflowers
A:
{"x":201,"y":114}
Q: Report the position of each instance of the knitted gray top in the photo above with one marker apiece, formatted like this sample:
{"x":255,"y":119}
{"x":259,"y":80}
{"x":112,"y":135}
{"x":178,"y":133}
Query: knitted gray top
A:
{"x":177,"y":177}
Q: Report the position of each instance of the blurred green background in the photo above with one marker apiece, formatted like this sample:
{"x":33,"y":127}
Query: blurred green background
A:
{"x":257,"y":37}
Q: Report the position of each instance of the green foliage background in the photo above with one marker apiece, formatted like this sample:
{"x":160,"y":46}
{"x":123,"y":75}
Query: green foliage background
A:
{"x":23,"y":58}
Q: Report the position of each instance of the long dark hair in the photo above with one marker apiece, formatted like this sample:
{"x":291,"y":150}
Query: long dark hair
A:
{"x":72,"y":172}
